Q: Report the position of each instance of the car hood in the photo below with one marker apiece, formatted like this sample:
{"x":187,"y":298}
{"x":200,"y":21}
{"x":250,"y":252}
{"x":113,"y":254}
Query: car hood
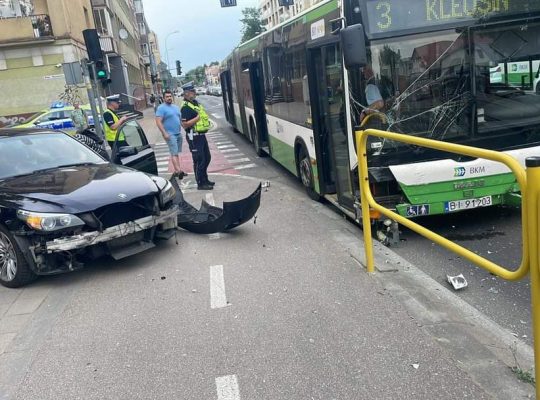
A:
{"x":76,"y":189}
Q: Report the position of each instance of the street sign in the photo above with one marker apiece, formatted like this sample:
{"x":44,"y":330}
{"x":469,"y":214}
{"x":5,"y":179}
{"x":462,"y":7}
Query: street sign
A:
{"x":73,"y":73}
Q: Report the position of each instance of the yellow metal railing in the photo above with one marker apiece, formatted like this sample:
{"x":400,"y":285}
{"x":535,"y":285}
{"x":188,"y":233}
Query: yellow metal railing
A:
{"x":529,"y":182}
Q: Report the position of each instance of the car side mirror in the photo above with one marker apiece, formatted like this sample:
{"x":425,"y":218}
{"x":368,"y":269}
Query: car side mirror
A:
{"x":353,"y":43}
{"x":127,"y":151}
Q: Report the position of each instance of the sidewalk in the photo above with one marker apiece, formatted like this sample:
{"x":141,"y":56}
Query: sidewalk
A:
{"x":414,"y":338}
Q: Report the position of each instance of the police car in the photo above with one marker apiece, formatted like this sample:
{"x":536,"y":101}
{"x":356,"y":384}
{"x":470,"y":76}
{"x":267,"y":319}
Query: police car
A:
{"x":56,"y":117}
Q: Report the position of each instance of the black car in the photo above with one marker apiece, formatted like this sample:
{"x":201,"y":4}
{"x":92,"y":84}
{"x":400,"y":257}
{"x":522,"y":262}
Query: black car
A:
{"x":62,"y":204}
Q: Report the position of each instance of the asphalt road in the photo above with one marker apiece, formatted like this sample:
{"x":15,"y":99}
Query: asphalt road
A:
{"x":494,"y":233}
{"x":279,"y":308}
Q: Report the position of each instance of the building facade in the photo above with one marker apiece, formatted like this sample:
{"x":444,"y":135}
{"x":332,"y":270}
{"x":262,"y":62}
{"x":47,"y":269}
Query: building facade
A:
{"x":212,"y":75}
{"x":36,"y":37}
{"x":273,"y":14}
{"x":120,"y":39}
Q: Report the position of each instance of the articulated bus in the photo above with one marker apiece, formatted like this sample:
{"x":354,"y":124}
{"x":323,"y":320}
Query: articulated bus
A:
{"x":434,"y":67}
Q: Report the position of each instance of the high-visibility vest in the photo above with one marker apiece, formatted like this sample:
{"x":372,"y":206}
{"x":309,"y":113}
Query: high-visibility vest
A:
{"x":110,"y":134}
{"x":203,"y":124}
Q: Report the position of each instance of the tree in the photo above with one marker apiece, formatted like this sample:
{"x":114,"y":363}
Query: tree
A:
{"x":252,"y":24}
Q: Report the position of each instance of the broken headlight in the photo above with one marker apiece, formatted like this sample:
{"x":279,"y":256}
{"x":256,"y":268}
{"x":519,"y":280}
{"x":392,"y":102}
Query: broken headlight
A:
{"x":49,"y":222}
{"x":167,"y":194}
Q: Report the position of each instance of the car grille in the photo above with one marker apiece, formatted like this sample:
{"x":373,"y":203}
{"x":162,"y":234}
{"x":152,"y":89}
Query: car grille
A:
{"x":119,"y":213}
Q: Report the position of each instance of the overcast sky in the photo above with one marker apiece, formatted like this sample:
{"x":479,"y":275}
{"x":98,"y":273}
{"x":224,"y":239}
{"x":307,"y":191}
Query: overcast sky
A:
{"x":207,"y":31}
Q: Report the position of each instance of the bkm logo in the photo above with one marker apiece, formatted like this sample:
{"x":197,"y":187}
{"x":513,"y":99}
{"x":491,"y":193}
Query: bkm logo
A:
{"x":459,"y":171}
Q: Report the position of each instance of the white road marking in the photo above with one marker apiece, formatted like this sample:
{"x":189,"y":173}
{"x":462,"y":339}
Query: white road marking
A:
{"x":227,"y":388}
{"x":225,"y":146}
{"x":246,"y":166}
{"x":228,"y":155}
{"x":222,"y":143}
{"x":239,"y":160}
{"x":217,"y":287}
{"x":216,"y":116}
{"x":229,"y":150}
{"x":210,"y":199}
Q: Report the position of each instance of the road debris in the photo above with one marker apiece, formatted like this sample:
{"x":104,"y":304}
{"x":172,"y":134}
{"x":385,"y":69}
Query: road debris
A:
{"x":493,"y":290}
{"x":415,"y":366}
{"x":458,"y":281}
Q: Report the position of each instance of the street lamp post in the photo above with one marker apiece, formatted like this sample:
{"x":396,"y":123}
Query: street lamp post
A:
{"x":167,"y":48}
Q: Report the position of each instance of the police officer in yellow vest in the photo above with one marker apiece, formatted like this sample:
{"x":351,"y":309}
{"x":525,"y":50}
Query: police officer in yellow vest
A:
{"x":196,"y":123}
{"x":112,"y":121}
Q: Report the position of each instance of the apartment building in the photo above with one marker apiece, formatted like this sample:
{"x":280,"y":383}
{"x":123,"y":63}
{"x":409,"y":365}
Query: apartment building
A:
{"x":36,"y":37}
{"x":273,"y":14}
{"x":120,"y":38}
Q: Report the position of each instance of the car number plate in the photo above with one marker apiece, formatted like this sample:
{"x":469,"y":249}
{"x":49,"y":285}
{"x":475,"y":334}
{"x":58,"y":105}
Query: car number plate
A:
{"x":457,"y":205}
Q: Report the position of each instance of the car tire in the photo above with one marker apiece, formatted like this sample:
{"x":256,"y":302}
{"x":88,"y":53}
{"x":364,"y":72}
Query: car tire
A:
{"x":14,"y":269}
{"x":305,"y":173}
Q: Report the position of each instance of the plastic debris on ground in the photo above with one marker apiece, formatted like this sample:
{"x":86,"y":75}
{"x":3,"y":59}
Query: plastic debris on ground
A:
{"x":458,"y":281}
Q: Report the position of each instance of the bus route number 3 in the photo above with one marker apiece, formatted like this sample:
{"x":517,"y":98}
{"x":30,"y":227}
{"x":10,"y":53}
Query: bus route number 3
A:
{"x":385,"y":18}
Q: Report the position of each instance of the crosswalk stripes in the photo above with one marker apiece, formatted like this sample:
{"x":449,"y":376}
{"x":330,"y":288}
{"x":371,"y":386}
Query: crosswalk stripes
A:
{"x":161,"y":150}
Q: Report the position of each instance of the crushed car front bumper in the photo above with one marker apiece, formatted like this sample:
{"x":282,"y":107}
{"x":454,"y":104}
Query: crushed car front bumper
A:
{"x":165,"y":221}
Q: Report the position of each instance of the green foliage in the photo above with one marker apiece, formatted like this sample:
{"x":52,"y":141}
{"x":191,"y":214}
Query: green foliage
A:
{"x":251,"y":23}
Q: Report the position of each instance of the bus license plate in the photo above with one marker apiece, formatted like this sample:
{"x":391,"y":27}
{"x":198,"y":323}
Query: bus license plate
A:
{"x":450,"y":206}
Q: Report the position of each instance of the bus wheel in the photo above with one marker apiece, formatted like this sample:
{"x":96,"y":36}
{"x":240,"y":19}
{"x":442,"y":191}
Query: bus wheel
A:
{"x":306,"y":173}
{"x":538,"y":88}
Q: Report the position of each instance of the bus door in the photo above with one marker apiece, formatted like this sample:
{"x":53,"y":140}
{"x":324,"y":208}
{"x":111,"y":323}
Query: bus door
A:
{"x":329,"y":121}
{"x":226,"y":88}
{"x":260,"y":139}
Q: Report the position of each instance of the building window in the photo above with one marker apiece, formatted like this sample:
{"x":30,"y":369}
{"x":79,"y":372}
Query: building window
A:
{"x":102,"y":21}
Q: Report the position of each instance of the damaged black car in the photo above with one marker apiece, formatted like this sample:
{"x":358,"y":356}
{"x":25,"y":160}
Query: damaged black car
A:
{"x":61,"y":204}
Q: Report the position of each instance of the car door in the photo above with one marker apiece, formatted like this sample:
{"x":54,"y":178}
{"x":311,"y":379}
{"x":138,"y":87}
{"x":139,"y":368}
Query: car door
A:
{"x":137,"y":154}
{"x":51,"y":120}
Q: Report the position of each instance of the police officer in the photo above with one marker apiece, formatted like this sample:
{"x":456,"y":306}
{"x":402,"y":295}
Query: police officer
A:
{"x":196,"y":123}
{"x":113,"y":122}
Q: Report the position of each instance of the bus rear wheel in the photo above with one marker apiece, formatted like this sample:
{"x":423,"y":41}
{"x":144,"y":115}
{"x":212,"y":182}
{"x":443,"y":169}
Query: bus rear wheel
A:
{"x":305,"y":172}
{"x":255,"y":139}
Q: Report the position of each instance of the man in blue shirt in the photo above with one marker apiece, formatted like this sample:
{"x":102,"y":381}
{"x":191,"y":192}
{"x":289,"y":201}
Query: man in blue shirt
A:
{"x":168,"y":121}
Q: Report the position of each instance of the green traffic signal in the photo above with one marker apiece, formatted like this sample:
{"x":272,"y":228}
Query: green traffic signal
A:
{"x":101,"y":74}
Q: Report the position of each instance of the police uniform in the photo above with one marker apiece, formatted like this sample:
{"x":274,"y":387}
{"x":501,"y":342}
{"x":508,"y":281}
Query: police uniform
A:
{"x":196,"y":138}
{"x":110,"y":118}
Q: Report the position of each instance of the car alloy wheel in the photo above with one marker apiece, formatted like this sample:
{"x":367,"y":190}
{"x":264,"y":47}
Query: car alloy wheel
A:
{"x":8,"y":259}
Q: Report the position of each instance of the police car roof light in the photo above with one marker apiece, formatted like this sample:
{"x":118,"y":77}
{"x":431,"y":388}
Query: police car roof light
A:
{"x":58,"y":104}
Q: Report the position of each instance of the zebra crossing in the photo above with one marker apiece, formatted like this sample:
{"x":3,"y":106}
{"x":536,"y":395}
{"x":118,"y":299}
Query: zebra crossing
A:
{"x":225,"y":155}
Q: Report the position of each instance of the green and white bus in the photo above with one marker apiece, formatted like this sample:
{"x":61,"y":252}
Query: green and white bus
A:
{"x":434,"y":64}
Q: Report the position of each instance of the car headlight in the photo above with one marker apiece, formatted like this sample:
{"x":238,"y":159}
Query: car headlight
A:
{"x":49,"y":222}
{"x":167,"y":194}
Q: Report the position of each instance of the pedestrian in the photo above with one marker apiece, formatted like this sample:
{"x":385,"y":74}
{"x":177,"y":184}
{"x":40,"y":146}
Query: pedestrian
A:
{"x":168,"y":121}
{"x":196,"y":123}
{"x":113,"y":122}
{"x":79,"y":118}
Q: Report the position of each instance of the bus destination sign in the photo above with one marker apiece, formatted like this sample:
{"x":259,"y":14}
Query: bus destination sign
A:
{"x":395,"y":15}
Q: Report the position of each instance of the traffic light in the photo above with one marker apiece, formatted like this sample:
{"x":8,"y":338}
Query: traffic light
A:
{"x":228,"y":3}
{"x":95,"y":54}
{"x":178,"y":68}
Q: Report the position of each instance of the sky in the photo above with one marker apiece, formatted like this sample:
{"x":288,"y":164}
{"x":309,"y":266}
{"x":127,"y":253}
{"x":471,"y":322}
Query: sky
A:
{"x":207,"y":32}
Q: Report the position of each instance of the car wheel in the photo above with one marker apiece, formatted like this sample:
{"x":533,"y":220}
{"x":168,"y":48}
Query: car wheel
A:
{"x":14,"y":269}
{"x":306,"y":173}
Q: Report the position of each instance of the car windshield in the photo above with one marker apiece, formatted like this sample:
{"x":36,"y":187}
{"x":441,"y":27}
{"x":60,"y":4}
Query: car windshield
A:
{"x":26,"y":154}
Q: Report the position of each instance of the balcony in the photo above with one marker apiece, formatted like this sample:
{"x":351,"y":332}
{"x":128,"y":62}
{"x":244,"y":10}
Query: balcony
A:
{"x":25,"y":29}
{"x":108,"y":45}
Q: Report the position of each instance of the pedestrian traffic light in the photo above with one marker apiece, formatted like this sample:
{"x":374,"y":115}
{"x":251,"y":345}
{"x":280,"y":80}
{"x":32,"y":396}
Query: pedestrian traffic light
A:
{"x":178,"y":68}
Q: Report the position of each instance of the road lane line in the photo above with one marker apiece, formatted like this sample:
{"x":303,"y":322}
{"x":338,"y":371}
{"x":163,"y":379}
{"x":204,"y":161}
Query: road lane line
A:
{"x":229,"y":150}
{"x":238,"y":160}
{"x":246,"y":166}
{"x":217,"y":287}
{"x":226,"y":146}
{"x":222,"y":143}
{"x":227,"y":388}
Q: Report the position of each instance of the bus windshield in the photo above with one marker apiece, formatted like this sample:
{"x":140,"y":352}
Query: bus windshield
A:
{"x":462,"y":84}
